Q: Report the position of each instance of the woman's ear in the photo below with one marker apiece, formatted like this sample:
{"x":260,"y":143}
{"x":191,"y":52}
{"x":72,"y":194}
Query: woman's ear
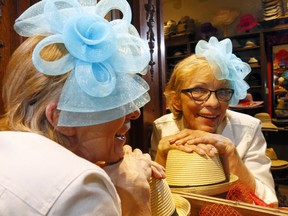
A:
{"x":52,"y":115}
{"x":176,"y":101}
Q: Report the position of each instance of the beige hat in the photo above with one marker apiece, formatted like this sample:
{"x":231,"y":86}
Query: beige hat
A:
{"x":266,"y":122}
{"x":275,"y":163}
{"x":192,"y":173}
{"x":165,"y":203}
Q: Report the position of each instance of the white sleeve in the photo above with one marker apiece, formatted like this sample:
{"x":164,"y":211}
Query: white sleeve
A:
{"x":259,"y":165}
{"x":91,"y":193}
{"x":155,"y":138}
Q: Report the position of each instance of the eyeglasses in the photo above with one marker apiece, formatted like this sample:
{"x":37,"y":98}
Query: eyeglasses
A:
{"x":201,"y":94}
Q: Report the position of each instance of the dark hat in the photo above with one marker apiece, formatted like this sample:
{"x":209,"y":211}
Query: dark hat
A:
{"x":208,"y":30}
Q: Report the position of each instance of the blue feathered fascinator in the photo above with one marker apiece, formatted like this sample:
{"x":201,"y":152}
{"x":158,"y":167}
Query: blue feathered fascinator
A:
{"x":231,"y":68}
{"x":104,"y":58}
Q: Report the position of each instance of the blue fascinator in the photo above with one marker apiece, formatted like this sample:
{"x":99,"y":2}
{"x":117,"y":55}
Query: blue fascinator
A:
{"x":103,"y":61}
{"x":231,"y":67}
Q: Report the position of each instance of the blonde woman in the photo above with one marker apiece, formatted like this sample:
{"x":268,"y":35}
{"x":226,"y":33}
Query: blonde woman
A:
{"x":68,"y":105}
{"x":198,"y":93}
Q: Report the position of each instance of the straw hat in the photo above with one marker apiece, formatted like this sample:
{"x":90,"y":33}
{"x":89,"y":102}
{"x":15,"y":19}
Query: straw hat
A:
{"x":275,"y":163}
{"x":266,"y":122}
{"x":192,"y":173}
{"x":226,"y":16}
{"x":164,"y":203}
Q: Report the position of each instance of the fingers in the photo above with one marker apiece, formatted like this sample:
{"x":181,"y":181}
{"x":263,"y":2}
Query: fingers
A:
{"x":185,"y":135}
{"x":206,"y":149}
{"x":158,"y":171}
{"x":137,"y":153}
{"x":127,"y":149}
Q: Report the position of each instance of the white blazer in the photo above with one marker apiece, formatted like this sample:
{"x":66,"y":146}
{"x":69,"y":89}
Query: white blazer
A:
{"x":40,"y":177}
{"x":245,"y":132}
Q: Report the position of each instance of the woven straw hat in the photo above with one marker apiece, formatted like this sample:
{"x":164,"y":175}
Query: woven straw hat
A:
{"x":192,"y":173}
{"x":266,"y":122}
{"x":275,"y":163}
{"x":164,"y":203}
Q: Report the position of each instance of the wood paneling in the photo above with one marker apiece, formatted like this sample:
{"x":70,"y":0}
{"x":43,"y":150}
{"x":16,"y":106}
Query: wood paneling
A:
{"x":141,"y":128}
{"x":10,"y":39}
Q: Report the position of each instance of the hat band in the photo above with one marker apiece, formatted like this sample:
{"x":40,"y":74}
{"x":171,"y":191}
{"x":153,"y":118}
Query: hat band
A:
{"x":185,"y":186}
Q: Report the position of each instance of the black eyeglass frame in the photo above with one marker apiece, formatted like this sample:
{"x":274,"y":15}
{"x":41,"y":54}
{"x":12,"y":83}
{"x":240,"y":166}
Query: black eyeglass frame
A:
{"x":190,"y":90}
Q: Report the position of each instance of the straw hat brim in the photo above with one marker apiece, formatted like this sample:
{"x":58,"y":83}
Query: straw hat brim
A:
{"x":279,"y":164}
{"x":182,"y":205}
{"x":208,"y":189}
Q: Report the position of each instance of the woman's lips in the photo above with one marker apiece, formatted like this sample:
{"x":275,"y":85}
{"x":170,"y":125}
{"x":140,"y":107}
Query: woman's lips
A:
{"x":208,"y":116}
{"x":120,"y":137}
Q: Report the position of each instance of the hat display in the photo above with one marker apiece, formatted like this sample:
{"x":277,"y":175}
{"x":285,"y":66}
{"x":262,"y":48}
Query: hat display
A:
{"x":186,"y":25}
{"x":225,"y":16}
{"x":207,"y":30}
{"x":165,"y":203}
{"x":246,"y":23}
{"x":170,"y":28}
{"x":250,"y":44}
{"x":193,"y":173}
{"x":275,"y":163}
{"x":266,"y":122}
{"x":271,"y":9}
{"x":253,"y":62}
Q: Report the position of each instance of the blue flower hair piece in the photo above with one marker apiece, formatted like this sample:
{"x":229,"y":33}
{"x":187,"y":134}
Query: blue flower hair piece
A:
{"x":104,"y":57}
{"x":231,"y":67}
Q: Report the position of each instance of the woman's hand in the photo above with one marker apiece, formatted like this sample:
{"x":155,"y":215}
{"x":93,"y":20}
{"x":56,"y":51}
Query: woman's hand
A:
{"x":130,"y":177}
{"x":205,"y":143}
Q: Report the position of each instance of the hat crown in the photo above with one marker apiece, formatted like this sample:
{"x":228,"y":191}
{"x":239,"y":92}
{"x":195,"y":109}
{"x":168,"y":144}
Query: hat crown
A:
{"x":191,"y":169}
{"x":163,"y":202}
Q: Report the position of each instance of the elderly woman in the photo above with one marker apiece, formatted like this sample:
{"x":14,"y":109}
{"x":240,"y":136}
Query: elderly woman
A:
{"x":68,"y":102}
{"x":198,"y":93}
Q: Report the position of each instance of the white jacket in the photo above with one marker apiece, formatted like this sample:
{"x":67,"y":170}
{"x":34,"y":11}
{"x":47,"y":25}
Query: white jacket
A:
{"x":245,"y":132}
{"x":40,"y":177}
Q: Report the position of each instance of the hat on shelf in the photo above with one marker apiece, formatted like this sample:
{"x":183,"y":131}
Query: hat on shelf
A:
{"x":250,"y":44}
{"x":186,"y":25}
{"x":208,"y":30}
{"x":275,"y":163}
{"x":246,"y":23}
{"x":266,"y":122}
{"x":225,"y":16}
{"x":170,"y":28}
{"x":253,"y":62}
{"x":193,"y":173}
{"x":163,"y":202}
{"x":272,"y":9}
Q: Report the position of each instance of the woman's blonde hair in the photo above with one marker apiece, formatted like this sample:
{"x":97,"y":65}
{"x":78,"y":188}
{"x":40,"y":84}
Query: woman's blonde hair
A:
{"x":26,"y":92}
{"x":182,"y":73}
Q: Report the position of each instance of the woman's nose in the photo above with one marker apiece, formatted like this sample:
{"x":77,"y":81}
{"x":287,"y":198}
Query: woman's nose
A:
{"x":212,"y":101}
{"x":134,"y":115}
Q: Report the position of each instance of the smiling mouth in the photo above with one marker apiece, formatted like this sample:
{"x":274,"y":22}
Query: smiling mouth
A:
{"x":120,"y":137}
{"x":208,"y":116}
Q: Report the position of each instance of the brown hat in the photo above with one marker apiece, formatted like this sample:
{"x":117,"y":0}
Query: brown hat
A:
{"x":275,"y":163}
{"x":266,"y":122}
{"x":165,"y":203}
{"x":192,"y":173}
